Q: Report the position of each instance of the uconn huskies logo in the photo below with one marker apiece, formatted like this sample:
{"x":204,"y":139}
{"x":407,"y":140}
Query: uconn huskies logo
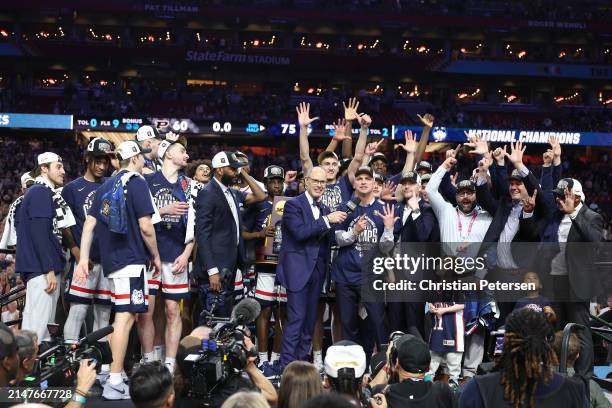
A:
{"x":332,"y":197}
{"x":368,"y":237}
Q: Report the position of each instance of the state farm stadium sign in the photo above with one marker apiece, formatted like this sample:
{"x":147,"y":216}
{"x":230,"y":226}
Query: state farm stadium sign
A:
{"x":221,"y":56}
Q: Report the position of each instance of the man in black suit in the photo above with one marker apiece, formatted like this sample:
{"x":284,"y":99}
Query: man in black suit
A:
{"x":565,"y":253}
{"x":518,"y":193}
{"x":218,"y":226}
{"x":416,"y":222}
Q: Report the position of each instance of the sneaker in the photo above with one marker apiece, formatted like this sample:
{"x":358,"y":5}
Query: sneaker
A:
{"x":276,"y":368}
{"x":102,"y":378}
{"x":267,"y":369}
{"x":116,"y":392}
{"x":453,"y":385}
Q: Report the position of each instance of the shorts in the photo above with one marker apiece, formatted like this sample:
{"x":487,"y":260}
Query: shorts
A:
{"x":267,"y":292}
{"x":130,"y":294}
{"x":174,"y":287}
{"x":238,"y":286}
{"x":96,"y":288}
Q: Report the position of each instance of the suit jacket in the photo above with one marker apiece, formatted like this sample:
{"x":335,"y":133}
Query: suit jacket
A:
{"x":424,"y":229}
{"x":303,"y":238}
{"x":215,"y":232}
{"x":579,"y":259}
{"x":500,"y":209}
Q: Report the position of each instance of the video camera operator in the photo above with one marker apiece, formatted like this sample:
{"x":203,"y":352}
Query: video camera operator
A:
{"x":27,"y":345}
{"x":9,"y":358}
{"x":408,"y":362}
{"x":250,"y":378}
{"x":152,"y":386}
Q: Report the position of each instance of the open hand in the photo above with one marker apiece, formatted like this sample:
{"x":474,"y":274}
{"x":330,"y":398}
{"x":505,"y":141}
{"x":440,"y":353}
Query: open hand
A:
{"x":350,"y":110}
{"x":410,"y":144}
{"x":303,"y":112}
{"x":478,"y":144}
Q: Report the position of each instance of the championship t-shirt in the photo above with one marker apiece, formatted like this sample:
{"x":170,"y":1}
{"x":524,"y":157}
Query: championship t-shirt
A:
{"x":447,"y":333}
{"x":170,"y":232}
{"x":79,"y":195}
{"x":37,"y":203}
{"x":337,"y":193}
{"x":120,"y":250}
{"x":348,"y":265}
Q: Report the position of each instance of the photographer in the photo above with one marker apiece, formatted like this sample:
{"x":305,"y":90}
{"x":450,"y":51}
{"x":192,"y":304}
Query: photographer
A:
{"x":9,"y":358}
{"x":27,"y":344}
{"x":409,"y":359}
{"x":86,"y":376}
{"x":254,"y":379}
{"x":345,"y":365}
{"x":152,"y":386}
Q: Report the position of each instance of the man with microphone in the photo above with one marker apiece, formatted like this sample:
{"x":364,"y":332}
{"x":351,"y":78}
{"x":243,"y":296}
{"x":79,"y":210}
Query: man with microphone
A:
{"x":303,"y":259}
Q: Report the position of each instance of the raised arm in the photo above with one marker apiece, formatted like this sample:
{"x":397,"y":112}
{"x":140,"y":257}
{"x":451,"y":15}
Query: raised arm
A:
{"x":556,"y":151}
{"x":304,"y":119}
{"x":257,"y":193}
{"x":499,"y":175}
{"x":435,"y":198}
{"x":427,"y":120}
{"x":410,"y":147}
{"x":364,"y":121}
{"x":483,"y":192}
{"x":350,"y":115}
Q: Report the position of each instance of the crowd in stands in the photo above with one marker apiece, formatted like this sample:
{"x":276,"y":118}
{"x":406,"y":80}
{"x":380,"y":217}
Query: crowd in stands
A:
{"x":147,"y":99}
{"x":541,"y":9}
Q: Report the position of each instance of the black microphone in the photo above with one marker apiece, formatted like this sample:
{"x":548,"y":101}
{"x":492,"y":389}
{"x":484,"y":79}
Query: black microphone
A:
{"x":352,"y":204}
{"x":246,"y":311}
{"x":95,"y":336}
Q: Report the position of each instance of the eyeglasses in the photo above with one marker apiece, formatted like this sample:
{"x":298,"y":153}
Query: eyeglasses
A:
{"x":317,"y":182}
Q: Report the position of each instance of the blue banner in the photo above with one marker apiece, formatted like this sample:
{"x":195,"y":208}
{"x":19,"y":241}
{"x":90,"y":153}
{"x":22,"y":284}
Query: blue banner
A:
{"x":35,"y":121}
{"x":444,"y":134}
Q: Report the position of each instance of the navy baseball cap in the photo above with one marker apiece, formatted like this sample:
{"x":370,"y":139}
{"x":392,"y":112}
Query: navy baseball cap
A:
{"x":424,"y":165}
{"x":413,"y":354}
{"x":466,"y":185}
{"x":378,"y":156}
{"x":515,"y":175}
{"x":410,"y":176}
{"x":364,"y":170}
{"x":273,"y":171}
{"x":99,"y":147}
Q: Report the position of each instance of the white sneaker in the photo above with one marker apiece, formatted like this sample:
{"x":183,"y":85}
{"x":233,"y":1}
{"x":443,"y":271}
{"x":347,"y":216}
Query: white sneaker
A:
{"x":116,"y":392}
{"x":102,"y":378}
